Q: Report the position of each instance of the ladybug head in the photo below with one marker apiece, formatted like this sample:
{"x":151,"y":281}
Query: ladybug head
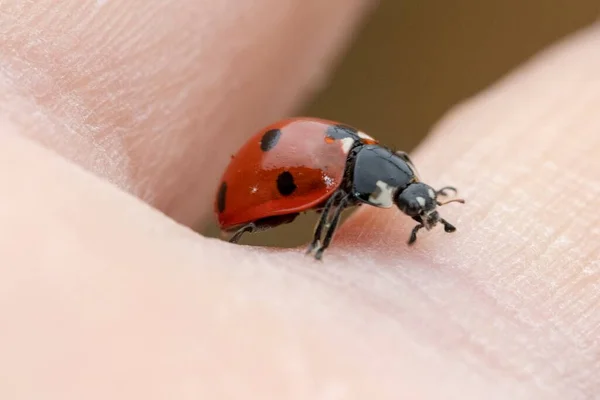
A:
{"x":419,"y":200}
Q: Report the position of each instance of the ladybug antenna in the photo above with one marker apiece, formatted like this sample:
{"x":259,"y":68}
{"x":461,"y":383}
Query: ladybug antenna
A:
{"x":441,"y":203}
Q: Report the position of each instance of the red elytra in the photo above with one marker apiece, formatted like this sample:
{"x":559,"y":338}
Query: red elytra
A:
{"x":301,"y":147}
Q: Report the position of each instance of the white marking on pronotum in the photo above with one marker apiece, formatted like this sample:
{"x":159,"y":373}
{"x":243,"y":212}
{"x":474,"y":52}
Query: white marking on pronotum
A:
{"x":383,"y":195}
{"x":363,"y":135}
{"x":421,"y":201}
{"x":347,"y":144}
{"x":431,"y":193}
{"x":254,"y":189}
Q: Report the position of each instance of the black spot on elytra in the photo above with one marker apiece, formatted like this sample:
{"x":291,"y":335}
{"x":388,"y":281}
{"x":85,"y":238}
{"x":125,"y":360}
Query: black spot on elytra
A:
{"x":221,"y":197}
{"x":285,"y":183}
{"x":341,"y":132}
{"x":270,"y":139}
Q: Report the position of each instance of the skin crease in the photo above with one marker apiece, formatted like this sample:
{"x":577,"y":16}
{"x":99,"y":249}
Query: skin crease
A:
{"x":117,"y":84}
{"x":102,"y":296}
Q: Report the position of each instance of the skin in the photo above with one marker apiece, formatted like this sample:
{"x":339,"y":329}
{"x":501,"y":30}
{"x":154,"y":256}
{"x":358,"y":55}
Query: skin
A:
{"x":106,"y":293}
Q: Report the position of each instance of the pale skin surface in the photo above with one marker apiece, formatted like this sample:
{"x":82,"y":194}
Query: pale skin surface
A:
{"x":102,"y":296}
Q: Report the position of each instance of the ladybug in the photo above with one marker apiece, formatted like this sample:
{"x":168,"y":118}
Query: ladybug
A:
{"x":301,"y":164}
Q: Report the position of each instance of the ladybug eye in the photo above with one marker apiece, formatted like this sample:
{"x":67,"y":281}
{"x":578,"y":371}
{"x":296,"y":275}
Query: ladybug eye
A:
{"x":408,"y":204}
{"x":415,"y":199}
{"x":413,"y":208}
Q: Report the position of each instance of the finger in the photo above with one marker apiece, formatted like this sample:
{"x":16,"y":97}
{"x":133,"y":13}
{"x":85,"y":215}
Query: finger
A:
{"x":103,"y":297}
{"x":154,"y":95}
{"x":520,"y":275}
{"x":436,"y":318}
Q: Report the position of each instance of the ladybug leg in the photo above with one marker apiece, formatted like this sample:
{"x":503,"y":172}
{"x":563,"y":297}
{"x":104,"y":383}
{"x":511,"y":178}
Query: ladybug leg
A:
{"x":337,"y":213}
{"x":413,"y":234}
{"x":322,"y":223}
{"x":448,"y":227}
{"x":251,"y":227}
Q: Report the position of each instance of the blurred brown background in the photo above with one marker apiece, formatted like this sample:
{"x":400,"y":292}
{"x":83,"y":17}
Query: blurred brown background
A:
{"x":413,"y":60}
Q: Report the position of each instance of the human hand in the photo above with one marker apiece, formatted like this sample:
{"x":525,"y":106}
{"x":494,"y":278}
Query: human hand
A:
{"x":104,"y":297}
